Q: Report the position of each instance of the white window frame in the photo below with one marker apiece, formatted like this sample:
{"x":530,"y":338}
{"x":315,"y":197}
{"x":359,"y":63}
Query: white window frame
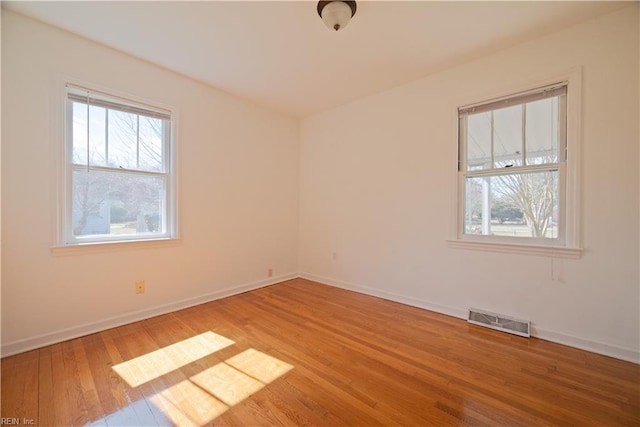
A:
{"x":65,"y":240}
{"x":568,"y":244}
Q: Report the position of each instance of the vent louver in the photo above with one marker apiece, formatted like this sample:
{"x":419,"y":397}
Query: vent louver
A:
{"x":500,"y":322}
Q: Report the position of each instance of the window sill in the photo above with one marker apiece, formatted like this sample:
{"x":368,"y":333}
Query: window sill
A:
{"x":116,"y":246}
{"x":510,"y":248}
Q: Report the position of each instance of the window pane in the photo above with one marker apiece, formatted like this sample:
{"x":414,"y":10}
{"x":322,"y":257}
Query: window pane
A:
{"x":79,"y":133}
{"x":507,"y":136}
{"x":151,"y":146}
{"x":114,"y":203}
{"x":97,"y":137}
{"x":479,"y":141}
{"x":515,"y":205}
{"x":123,"y":140}
{"x":542,"y":131}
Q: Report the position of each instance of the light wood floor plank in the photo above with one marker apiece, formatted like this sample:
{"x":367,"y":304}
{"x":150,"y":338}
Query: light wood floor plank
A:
{"x":45,"y":399}
{"x":62,"y":403}
{"x":76,"y":400}
{"x":355,"y":360}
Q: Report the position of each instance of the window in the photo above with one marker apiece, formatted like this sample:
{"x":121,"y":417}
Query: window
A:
{"x":513,"y":176}
{"x":118,"y":169}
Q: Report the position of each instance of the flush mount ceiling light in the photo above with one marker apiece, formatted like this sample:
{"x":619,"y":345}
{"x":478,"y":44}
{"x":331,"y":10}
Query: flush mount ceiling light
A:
{"x":336,"y":14}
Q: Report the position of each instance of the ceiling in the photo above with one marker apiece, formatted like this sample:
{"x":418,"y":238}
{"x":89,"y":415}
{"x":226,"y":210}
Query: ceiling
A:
{"x":280,"y":54}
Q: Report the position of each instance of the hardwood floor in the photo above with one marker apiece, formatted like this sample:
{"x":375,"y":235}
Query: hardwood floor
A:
{"x":302,"y":353}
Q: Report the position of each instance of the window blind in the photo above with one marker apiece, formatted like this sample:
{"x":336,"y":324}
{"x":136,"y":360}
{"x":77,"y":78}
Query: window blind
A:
{"x":85,"y":96}
{"x":521,"y":98}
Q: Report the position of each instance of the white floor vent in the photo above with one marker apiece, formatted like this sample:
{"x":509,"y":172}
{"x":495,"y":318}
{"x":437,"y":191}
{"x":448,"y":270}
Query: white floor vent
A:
{"x":500,"y":322}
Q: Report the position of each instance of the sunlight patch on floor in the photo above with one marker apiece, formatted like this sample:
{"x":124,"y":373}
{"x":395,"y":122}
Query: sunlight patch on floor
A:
{"x":186,"y":404}
{"x":200,"y":398}
{"x":227,"y":383}
{"x":260,"y":366}
{"x":162,"y":361}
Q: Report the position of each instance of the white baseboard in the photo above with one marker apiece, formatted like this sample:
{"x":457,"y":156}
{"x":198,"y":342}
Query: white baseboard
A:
{"x":54,"y":337}
{"x":414,"y":302}
{"x":553,"y":336}
{"x":588,"y":345}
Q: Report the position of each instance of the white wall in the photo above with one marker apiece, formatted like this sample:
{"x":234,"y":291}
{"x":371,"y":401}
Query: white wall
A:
{"x":377,"y":188}
{"x":238,"y":195}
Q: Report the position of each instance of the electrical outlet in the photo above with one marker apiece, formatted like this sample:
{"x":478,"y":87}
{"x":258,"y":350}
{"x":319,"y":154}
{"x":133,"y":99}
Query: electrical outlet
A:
{"x":270,"y":272}
{"x":140,"y":287}
{"x":334,"y":255}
